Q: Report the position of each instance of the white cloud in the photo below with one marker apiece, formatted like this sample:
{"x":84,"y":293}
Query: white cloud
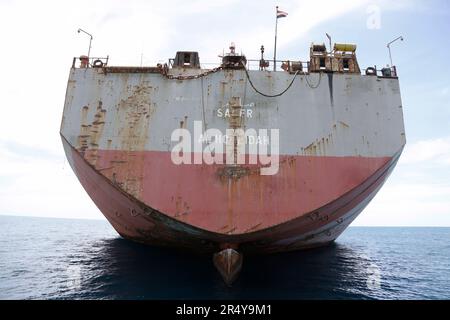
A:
{"x":418,"y":192}
{"x":35,"y":185}
{"x":397,"y":204}
{"x":430,"y":152}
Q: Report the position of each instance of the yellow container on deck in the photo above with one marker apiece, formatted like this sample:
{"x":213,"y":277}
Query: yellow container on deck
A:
{"x":345,"y":47}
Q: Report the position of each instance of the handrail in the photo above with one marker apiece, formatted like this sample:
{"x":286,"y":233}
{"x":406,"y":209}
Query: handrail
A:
{"x":90,"y":62}
{"x":290,"y":66}
{"x":386,"y":72}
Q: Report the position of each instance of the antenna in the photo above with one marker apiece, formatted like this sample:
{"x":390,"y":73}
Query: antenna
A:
{"x":90,"y":41}
{"x":389,"y":47}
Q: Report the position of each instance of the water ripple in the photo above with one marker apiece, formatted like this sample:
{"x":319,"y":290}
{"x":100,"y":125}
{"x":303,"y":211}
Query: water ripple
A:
{"x":79,"y":259}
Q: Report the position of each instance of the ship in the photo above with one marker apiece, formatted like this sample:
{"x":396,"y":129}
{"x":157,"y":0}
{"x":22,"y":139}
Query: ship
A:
{"x":246,"y":157}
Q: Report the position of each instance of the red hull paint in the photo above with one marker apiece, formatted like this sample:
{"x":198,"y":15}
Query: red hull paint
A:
{"x":134,"y":219}
{"x":206,"y":197}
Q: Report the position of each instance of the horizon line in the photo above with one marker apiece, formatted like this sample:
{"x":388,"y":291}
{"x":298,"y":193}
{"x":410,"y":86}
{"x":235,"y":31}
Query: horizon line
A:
{"x":104,"y":219}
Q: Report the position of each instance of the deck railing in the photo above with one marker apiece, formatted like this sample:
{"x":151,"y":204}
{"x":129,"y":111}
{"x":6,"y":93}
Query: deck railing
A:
{"x":385,"y":72}
{"x":251,"y":64}
{"x":90,"y":62}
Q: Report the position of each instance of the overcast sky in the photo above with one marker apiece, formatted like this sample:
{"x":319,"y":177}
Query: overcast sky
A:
{"x":39,"y":39}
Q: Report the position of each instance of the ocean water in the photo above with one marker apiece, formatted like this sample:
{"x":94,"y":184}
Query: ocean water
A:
{"x":43,"y":258}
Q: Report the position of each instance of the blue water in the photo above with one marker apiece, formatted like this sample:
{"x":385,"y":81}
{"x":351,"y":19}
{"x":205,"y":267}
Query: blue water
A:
{"x":43,"y":258}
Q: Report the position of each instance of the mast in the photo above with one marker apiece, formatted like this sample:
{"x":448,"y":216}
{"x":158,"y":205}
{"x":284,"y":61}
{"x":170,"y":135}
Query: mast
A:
{"x":275,"y":47}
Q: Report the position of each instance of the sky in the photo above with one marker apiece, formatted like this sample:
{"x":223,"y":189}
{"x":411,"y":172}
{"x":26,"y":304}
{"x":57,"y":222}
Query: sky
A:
{"x":39,"y":39}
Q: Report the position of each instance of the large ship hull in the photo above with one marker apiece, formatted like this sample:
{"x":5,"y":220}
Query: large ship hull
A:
{"x":136,"y":221}
{"x":340,"y":136}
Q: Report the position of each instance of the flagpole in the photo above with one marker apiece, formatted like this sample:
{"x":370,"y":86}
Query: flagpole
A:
{"x":275,"y":47}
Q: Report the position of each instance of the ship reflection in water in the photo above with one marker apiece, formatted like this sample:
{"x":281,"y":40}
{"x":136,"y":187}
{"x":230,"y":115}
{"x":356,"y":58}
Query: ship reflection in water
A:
{"x":80,"y":259}
{"x":124,"y":269}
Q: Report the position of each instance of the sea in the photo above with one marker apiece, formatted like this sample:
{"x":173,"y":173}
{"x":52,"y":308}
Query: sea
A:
{"x":48,"y":258}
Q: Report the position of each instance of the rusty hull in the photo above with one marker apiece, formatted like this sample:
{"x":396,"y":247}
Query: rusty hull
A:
{"x":136,"y":221}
